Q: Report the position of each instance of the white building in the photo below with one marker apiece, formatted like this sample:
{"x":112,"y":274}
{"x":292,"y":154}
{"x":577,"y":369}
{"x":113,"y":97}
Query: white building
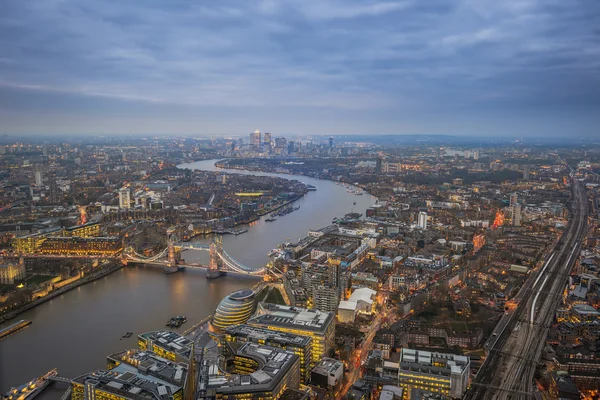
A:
{"x":422,"y":222}
{"x":432,"y":372}
{"x":124,"y":199}
{"x":360,"y":302}
{"x":38,"y":177}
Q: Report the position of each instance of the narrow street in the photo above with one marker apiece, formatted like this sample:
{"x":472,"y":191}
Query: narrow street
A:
{"x":360,"y":353}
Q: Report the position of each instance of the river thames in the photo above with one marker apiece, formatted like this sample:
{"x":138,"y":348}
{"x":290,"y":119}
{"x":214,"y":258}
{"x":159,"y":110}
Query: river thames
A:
{"x":76,"y":331}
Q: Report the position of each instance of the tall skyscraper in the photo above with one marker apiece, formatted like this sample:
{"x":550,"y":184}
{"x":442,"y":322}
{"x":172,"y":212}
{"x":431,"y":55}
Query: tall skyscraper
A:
{"x":331,"y":142}
{"x":267,"y":142}
{"x":476,"y":155}
{"x":280,"y":142}
{"x":513,"y":199}
{"x":124,"y":199}
{"x":526,"y":172}
{"x":515,"y":214}
{"x":255,"y":143}
{"x":38,"y":177}
{"x":422,"y":221}
{"x":378,"y":164}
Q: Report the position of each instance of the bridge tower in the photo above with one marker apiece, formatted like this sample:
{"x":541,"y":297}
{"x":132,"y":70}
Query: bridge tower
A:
{"x":172,"y":258}
{"x":215,"y":251}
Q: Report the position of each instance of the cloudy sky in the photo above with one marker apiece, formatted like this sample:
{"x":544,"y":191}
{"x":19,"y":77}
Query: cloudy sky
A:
{"x":468,"y":67}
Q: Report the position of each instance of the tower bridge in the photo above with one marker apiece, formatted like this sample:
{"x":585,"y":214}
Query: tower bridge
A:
{"x":220,"y":261}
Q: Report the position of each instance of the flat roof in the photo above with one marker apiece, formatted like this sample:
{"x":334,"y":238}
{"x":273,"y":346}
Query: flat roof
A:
{"x":292,"y":317}
{"x":327,"y":366}
{"x":269,"y":336}
{"x":274,"y":364}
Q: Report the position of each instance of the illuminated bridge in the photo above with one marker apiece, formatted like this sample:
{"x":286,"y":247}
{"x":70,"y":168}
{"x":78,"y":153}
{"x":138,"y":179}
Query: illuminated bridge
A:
{"x":220,"y":261}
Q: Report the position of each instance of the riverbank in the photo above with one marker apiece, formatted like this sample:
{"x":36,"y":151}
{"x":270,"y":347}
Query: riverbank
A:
{"x":259,"y":216}
{"x":58,"y":292}
{"x":226,"y":166}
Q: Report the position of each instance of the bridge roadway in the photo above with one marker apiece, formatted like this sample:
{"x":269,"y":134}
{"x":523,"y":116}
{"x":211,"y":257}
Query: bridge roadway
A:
{"x":508,"y":371}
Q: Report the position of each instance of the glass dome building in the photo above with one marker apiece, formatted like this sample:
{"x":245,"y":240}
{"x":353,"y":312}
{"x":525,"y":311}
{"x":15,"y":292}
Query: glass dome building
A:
{"x":235,"y":309}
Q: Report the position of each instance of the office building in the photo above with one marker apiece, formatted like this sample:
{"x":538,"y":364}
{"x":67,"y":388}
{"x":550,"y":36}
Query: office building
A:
{"x":90,"y":229}
{"x":298,"y":344}
{"x":256,"y":372}
{"x":280,"y":143}
{"x":32,"y":242}
{"x":267,"y":142}
{"x":133,"y":375}
{"x":422,"y":221}
{"x":475,"y":154}
{"x":331,"y":142}
{"x":327,"y":373}
{"x":234,"y":309}
{"x":433,"y":372}
{"x":315,"y":324}
{"x":124,"y":199}
{"x":38,"y":177}
{"x":11,"y":272}
{"x":526,"y":172}
{"x":378,"y":165}
{"x":166,"y":344}
{"x":255,"y":142}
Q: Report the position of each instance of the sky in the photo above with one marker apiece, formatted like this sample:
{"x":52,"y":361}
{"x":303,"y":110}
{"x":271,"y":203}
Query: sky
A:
{"x":527,"y":68}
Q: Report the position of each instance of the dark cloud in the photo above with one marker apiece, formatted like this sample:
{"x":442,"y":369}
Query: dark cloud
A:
{"x":340,"y":66}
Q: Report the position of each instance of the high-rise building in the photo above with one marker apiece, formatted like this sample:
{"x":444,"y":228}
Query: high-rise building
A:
{"x":526,"y":172}
{"x":331,"y":142}
{"x":515,"y":214}
{"x":54,"y":194}
{"x":431,"y":372}
{"x":290,"y":147}
{"x":255,"y":143}
{"x":476,"y":155}
{"x":124,"y":199}
{"x":280,"y":143}
{"x":38,"y":177}
{"x":267,"y":142}
{"x":513,"y":199}
{"x":326,"y":298}
{"x":422,"y":221}
{"x":378,"y":165}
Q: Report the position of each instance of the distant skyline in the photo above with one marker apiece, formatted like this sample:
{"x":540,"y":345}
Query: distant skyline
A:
{"x":526,"y":68}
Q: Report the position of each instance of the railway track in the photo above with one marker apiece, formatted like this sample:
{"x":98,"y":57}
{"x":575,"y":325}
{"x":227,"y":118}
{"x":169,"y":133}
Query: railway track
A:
{"x":508,"y":371}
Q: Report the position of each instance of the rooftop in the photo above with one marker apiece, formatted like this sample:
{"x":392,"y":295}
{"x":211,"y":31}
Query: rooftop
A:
{"x":169,"y":340}
{"x":269,"y":336}
{"x":273,"y":363}
{"x":432,"y":362}
{"x":327,"y":366}
{"x":293,"y":317}
{"x":142,"y":375}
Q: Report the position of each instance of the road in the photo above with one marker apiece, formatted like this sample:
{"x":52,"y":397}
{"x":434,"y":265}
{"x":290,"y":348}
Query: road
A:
{"x":509,"y":369}
{"x":360,"y":353}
